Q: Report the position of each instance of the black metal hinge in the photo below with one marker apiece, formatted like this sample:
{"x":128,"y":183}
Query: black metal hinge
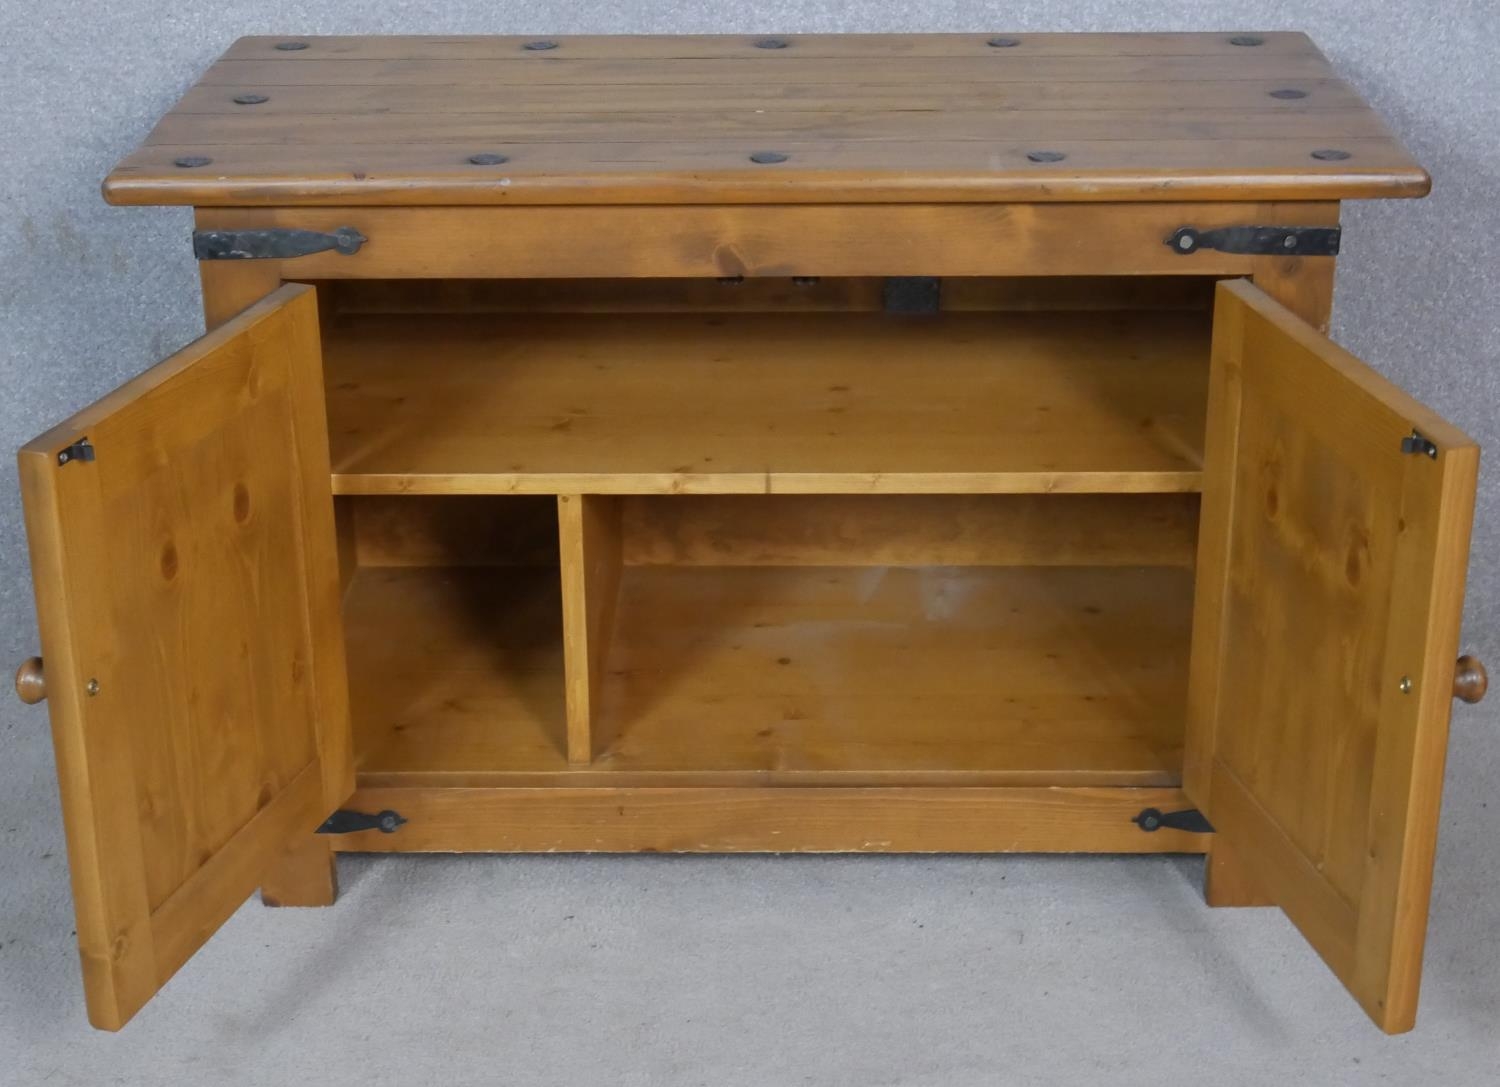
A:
{"x":1191,"y":820}
{"x":1263,"y":241}
{"x":1419,"y":444}
{"x":273,"y":244}
{"x":344,"y":821}
{"x":82,"y":449}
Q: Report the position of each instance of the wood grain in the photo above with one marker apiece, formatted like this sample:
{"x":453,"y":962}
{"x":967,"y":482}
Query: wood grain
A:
{"x":525,"y":133}
{"x":1226,"y":879}
{"x":770,"y":240}
{"x":184,"y":584}
{"x":306,"y":874}
{"x":780,"y":676}
{"x":474,"y":676}
{"x":796,"y":47}
{"x":1331,"y":580}
{"x":910,"y":530}
{"x":869,"y":95}
{"x":817,"y":820}
{"x":590,"y":533}
{"x":448,"y":530}
{"x":796,"y":403}
{"x":229,"y":287}
{"x":642,"y":120}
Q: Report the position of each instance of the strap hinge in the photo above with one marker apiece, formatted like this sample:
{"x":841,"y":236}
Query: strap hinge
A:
{"x":1190,"y":819}
{"x":1418,"y":444}
{"x":274,"y":244}
{"x":1262,"y":241}
{"x":344,"y":821}
{"x":82,"y":449}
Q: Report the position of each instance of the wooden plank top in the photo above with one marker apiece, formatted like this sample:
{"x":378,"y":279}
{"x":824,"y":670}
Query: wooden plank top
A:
{"x":786,"y":119}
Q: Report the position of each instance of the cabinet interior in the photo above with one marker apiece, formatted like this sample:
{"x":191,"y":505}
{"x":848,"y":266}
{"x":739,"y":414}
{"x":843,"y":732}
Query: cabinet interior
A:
{"x":841,"y":546}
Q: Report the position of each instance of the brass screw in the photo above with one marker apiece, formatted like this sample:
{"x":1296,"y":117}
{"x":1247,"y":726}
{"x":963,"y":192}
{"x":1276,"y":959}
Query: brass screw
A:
{"x":92,"y":687}
{"x":1405,"y":684}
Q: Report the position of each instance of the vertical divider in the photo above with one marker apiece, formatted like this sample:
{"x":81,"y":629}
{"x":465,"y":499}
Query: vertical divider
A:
{"x":589,"y":546}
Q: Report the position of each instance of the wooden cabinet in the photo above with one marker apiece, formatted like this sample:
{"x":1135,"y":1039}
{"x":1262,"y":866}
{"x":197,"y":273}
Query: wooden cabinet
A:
{"x":861,"y":443}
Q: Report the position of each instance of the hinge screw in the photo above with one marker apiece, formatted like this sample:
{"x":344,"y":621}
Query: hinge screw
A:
{"x":92,"y":687}
{"x":291,"y":47}
{"x":539,"y":46}
{"x":1405,"y":685}
{"x":250,"y":99}
{"x":1003,"y":43}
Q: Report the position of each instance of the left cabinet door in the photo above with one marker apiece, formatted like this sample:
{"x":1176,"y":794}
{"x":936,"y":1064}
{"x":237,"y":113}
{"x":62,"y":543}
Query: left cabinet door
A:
{"x":183,"y":553}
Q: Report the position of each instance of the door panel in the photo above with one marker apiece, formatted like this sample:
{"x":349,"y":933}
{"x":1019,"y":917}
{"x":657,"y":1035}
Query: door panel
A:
{"x":1330,"y":590}
{"x":187,"y":593}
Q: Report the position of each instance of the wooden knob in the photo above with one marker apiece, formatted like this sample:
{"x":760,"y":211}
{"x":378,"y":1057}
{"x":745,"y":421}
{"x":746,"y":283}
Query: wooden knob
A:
{"x":31,"y":685}
{"x":1470,"y":680}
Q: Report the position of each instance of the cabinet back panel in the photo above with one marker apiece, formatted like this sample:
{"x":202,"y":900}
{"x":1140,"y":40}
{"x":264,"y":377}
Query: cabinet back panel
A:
{"x":784,"y":530}
{"x":910,"y":530}
{"x":769,"y":294}
{"x":451,"y":530}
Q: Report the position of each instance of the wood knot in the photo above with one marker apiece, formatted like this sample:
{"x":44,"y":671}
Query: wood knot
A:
{"x":169,"y":561}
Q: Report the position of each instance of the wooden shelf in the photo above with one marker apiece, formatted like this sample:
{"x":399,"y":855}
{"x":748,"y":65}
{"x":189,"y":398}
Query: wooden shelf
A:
{"x":780,"y":675}
{"x":760,"y":403}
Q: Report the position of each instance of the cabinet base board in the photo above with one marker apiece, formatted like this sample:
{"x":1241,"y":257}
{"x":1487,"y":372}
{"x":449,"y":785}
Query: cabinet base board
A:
{"x":770,"y":820}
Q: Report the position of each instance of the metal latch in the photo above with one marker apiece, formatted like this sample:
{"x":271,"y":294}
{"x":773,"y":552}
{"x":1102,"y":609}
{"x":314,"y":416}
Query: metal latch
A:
{"x":913,"y":295}
{"x":1417,"y":443}
{"x":1191,"y":820}
{"x":1263,"y":241}
{"x":273,"y":244}
{"x":82,"y":449}
{"x":344,"y":821}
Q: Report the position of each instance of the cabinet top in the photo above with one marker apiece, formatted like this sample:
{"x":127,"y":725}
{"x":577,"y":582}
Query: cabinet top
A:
{"x":843,"y":118}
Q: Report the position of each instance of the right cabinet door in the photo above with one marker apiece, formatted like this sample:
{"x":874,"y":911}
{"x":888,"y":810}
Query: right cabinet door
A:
{"x":1331,"y":560}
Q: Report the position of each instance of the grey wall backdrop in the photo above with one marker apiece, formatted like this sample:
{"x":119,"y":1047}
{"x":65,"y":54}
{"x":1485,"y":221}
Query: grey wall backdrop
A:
{"x":635,"y":970}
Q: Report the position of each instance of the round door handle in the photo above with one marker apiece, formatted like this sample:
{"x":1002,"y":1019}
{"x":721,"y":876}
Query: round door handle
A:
{"x":1470,"y":680}
{"x":31,"y":684}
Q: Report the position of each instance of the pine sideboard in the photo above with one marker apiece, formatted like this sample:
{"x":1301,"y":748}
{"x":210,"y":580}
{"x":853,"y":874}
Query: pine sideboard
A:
{"x":873,"y":443}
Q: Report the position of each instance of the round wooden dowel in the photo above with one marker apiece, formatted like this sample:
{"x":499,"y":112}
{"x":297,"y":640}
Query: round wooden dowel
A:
{"x":1470,"y":680}
{"x":31,"y":684}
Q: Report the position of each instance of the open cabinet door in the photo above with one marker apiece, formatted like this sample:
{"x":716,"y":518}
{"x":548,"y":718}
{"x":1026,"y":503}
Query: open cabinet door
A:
{"x":183,"y":552}
{"x":1334,"y":540}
